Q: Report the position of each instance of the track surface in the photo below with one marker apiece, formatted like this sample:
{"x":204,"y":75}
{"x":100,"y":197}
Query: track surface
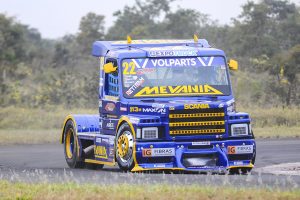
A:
{"x":46,"y":163}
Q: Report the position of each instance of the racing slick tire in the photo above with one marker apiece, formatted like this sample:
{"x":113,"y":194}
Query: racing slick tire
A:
{"x":71,"y":146}
{"x":124,"y":148}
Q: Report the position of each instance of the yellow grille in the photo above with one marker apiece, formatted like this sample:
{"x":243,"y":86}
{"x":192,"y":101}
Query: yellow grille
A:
{"x":205,"y":131}
{"x":206,"y":123}
{"x":194,"y":115}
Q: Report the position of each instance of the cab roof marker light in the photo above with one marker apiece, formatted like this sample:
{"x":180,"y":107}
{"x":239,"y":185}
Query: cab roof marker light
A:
{"x":196,"y":39}
{"x":129,"y":40}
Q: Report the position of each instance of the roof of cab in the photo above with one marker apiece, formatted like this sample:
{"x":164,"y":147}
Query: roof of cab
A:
{"x":142,"y":47}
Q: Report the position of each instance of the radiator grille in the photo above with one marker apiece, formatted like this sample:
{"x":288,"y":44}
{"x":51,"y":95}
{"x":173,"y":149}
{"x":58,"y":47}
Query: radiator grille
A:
{"x":197,"y":122}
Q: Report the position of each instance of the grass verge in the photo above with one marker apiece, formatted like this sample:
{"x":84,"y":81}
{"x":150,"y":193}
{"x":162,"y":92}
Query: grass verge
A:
{"x":74,"y":191}
{"x":32,"y":126}
{"x":277,"y":132}
{"x":8,"y":137}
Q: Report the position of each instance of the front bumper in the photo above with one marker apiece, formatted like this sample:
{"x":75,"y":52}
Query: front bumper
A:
{"x":200,"y":156}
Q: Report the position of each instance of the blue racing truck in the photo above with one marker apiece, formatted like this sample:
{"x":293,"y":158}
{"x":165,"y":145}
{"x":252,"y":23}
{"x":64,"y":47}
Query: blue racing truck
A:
{"x":163,"y":105}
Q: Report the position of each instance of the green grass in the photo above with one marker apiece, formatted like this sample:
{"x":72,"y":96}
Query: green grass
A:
{"x":37,"y":118}
{"x":87,"y":191}
{"x":33,"y":126}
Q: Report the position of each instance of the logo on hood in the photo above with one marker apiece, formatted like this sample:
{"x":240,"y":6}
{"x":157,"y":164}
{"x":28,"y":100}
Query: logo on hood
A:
{"x":181,"y":90}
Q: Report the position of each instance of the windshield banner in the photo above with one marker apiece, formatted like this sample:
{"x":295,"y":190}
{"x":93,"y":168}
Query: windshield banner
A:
{"x":195,"y":76}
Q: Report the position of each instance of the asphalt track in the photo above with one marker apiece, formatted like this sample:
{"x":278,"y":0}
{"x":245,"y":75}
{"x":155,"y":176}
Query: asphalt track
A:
{"x":46,"y":163}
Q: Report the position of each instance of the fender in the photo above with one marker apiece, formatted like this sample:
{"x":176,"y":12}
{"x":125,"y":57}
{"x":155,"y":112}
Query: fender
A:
{"x":83,"y":124}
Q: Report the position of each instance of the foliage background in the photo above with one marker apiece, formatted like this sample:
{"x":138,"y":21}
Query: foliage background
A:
{"x":37,"y":72}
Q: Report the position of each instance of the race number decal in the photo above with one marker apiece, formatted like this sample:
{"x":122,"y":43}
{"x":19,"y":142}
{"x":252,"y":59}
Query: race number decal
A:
{"x":129,"y":68}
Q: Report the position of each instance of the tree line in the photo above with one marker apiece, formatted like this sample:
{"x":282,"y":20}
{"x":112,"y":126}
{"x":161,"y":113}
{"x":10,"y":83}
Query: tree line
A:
{"x":35,"y":72}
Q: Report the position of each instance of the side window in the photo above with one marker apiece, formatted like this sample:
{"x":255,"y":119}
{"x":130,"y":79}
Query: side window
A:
{"x":111,"y":81}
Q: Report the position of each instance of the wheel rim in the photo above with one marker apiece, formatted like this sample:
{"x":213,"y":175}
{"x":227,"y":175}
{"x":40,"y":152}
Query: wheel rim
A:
{"x":124,"y":146}
{"x":69,"y":143}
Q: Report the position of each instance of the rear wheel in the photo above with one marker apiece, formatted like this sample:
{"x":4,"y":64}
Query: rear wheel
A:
{"x":124,"y":148}
{"x":71,"y":146}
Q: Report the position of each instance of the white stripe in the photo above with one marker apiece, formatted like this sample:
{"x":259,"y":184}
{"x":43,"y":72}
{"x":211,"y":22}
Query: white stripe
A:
{"x":137,"y":64}
{"x":200,"y":59}
{"x":92,"y":134}
{"x":210,"y":61}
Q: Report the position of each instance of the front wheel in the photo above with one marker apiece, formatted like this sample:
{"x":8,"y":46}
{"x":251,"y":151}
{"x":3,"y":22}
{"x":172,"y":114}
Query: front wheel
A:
{"x":124,"y":148}
{"x":71,"y":146}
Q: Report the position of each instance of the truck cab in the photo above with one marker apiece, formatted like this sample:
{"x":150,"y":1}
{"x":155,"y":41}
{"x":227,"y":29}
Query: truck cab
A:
{"x":163,"y":105}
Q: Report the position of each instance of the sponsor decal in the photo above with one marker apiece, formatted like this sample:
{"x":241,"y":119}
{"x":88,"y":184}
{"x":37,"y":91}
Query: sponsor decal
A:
{"x":179,"y":62}
{"x":145,"y":71}
{"x":171,"y":53}
{"x":137,"y":84}
{"x":243,"y":149}
{"x":181,"y":90}
{"x":105,"y":140}
{"x":135,"y":109}
{"x":100,"y":152}
{"x":201,"y":143}
{"x":171,"y":108}
{"x":111,"y":152}
{"x":160,"y":166}
{"x":134,"y":120}
{"x":112,"y":116}
{"x":129,"y":80}
{"x":154,"y":110}
{"x":123,"y":109}
{"x":238,"y":163}
{"x":110,"y":125}
{"x":110,"y":107}
{"x":98,"y":140}
{"x":148,"y":110}
{"x":158,"y":105}
{"x":195,"y":106}
{"x":158,"y":152}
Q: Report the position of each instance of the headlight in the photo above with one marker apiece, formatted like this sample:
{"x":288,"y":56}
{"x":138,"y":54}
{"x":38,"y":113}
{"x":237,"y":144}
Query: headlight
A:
{"x":239,"y":129}
{"x":150,"y":133}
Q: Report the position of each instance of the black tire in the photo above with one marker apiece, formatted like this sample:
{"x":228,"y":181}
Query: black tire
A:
{"x":71,"y":146}
{"x":242,"y":170}
{"x":125,"y":161}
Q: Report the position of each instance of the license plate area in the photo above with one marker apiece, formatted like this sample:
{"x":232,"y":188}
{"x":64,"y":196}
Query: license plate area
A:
{"x":199,"y":160}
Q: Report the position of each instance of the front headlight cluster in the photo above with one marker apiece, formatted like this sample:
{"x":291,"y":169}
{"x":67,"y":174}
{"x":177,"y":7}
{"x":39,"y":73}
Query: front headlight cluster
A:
{"x":239,"y":129}
{"x":147,"y":133}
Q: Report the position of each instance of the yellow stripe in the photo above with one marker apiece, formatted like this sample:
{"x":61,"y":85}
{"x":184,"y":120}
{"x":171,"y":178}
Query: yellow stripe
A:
{"x":148,"y":169}
{"x":196,"y":115}
{"x":99,"y":162}
{"x":206,"y":123}
{"x":180,"y":132}
{"x":247,"y":166}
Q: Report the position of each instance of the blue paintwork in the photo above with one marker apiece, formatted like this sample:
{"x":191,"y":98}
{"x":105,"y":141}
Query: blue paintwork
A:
{"x":104,"y":126}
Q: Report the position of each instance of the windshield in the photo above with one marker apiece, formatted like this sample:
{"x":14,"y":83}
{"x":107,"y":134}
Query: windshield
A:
{"x":195,"y":76}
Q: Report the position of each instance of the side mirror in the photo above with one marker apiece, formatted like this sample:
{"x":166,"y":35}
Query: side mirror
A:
{"x":233,"y":64}
{"x":109,"y":68}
